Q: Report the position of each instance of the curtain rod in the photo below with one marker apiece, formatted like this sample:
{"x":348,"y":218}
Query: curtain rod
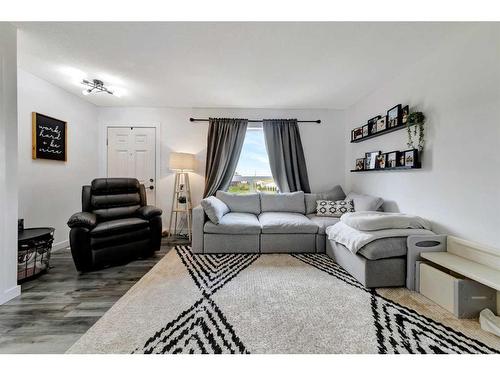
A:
{"x":205,"y":119}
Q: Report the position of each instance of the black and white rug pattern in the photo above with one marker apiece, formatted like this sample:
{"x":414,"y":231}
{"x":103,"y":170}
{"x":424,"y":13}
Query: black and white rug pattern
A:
{"x":400,"y":329}
{"x":204,"y":328}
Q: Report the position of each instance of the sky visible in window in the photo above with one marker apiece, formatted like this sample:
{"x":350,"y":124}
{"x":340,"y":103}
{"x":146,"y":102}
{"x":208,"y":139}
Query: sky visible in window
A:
{"x":253,"y":159}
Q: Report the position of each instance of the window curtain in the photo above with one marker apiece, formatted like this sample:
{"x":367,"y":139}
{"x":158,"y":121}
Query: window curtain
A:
{"x":286,"y":155}
{"x":225,"y":140}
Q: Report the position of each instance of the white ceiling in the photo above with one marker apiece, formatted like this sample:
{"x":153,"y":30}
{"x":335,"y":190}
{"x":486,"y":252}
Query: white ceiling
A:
{"x":247,"y":65}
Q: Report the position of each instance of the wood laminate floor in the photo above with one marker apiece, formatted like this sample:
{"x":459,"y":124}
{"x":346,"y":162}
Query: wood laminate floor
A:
{"x":54,"y":310}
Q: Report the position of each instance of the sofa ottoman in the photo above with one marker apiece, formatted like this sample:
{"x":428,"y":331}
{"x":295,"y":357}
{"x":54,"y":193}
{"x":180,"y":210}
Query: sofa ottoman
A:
{"x":381,"y":263}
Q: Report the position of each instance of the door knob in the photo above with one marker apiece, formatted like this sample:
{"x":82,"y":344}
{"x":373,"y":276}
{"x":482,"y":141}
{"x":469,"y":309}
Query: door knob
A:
{"x":151,"y":187}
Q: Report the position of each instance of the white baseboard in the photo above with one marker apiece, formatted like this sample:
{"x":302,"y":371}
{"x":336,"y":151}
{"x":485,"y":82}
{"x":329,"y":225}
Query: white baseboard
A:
{"x":60,"y":245}
{"x":8,"y":294}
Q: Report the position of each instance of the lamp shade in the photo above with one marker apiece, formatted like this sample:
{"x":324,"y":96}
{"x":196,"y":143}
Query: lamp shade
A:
{"x":182,"y":161}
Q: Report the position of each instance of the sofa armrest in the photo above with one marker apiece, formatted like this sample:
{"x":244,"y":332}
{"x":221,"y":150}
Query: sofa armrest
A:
{"x":420,"y":244}
{"x":148,"y":212}
{"x":198,"y":224}
{"x":83,"y":219}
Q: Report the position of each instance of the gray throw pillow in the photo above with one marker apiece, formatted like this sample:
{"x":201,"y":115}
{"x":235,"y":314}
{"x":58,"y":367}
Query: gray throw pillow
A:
{"x":284,"y":202}
{"x":335,"y":194}
{"x":214,"y":208}
{"x":365,"y":202}
{"x":249,"y":203}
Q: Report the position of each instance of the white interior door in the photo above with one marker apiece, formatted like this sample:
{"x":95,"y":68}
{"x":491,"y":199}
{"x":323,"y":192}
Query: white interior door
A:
{"x":131,"y":153}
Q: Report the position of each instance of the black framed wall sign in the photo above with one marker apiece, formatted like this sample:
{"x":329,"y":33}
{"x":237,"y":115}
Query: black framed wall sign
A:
{"x":49,"y":137}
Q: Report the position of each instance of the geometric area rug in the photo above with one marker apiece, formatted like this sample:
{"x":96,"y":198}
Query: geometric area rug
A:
{"x":263,"y":303}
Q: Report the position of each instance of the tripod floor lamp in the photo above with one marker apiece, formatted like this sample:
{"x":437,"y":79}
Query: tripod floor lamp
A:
{"x":181,"y":163}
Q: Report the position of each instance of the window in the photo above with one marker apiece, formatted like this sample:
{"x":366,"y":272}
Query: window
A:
{"x":253,"y":172}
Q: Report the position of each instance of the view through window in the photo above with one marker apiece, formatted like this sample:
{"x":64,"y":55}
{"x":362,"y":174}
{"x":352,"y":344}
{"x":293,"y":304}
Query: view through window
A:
{"x":253,"y":172}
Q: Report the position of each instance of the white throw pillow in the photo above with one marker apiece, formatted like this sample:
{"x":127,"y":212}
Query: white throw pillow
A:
{"x":214,"y":208}
{"x":333,"y":208}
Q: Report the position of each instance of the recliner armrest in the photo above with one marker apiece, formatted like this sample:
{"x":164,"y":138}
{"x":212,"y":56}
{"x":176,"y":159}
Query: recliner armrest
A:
{"x":148,"y":212}
{"x":83,"y":219}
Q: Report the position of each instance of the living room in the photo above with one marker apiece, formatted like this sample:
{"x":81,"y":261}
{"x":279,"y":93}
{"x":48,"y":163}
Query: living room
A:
{"x":173,"y":197}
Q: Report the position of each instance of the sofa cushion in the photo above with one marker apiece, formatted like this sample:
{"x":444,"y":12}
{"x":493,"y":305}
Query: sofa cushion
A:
{"x":335,"y":194}
{"x":285,"y":202}
{"x":235,"y":223}
{"x":107,"y":228}
{"x":323,"y":222}
{"x":286,"y":222}
{"x":384,"y":248}
{"x":365,"y":202}
{"x":214,"y":208}
{"x":249,"y":203}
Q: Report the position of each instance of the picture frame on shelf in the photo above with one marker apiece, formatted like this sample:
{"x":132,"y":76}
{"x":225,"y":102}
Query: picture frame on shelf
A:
{"x":394,"y":116}
{"x":372,"y":124}
{"x":357,"y":133}
{"x":381,"y":124}
{"x":374,"y":120}
{"x":392,"y":159}
{"x":366,"y":130}
{"x":410,"y":158}
{"x":401,"y":159}
{"x":381,"y":161}
{"x":372,"y":129}
{"x":405,"y":112}
{"x":360,"y":164}
{"x":371,"y":159}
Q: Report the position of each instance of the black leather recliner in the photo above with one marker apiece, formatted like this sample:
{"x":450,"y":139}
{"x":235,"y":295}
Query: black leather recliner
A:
{"x":116,"y":224}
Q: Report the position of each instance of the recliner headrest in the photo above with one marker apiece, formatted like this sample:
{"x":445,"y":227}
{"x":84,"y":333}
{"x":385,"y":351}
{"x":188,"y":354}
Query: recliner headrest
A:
{"x":101,"y":186}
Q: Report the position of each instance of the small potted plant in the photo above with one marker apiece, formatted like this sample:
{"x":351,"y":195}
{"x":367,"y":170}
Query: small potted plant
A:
{"x":417,"y":120}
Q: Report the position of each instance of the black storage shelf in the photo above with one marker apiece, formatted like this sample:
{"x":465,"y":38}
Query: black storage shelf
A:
{"x":418,"y":166}
{"x":386,"y":131}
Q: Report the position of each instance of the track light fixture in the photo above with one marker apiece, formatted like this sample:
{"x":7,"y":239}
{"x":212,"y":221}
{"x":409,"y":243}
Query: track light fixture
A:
{"x":96,"y":86}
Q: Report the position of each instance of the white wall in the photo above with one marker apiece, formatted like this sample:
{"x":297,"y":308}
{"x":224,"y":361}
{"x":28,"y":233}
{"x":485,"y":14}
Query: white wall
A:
{"x":8,"y":163}
{"x":50,"y":191}
{"x":323,"y":144}
{"x":458,"y":89}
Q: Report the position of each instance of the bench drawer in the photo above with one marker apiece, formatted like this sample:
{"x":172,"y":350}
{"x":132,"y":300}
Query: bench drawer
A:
{"x":463,"y":297}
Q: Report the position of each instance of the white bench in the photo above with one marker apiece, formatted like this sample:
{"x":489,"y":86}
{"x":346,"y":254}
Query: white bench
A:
{"x":474,"y":261}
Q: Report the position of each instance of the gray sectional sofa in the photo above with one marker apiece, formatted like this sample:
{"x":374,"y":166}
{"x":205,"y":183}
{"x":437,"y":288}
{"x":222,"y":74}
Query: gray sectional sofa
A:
{"x":264,"y":223}
{"x":287,"y":223}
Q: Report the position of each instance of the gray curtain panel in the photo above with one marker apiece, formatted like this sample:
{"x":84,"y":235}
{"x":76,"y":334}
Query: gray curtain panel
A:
{"x":225,"y":140}
{"x":286,"y":155}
